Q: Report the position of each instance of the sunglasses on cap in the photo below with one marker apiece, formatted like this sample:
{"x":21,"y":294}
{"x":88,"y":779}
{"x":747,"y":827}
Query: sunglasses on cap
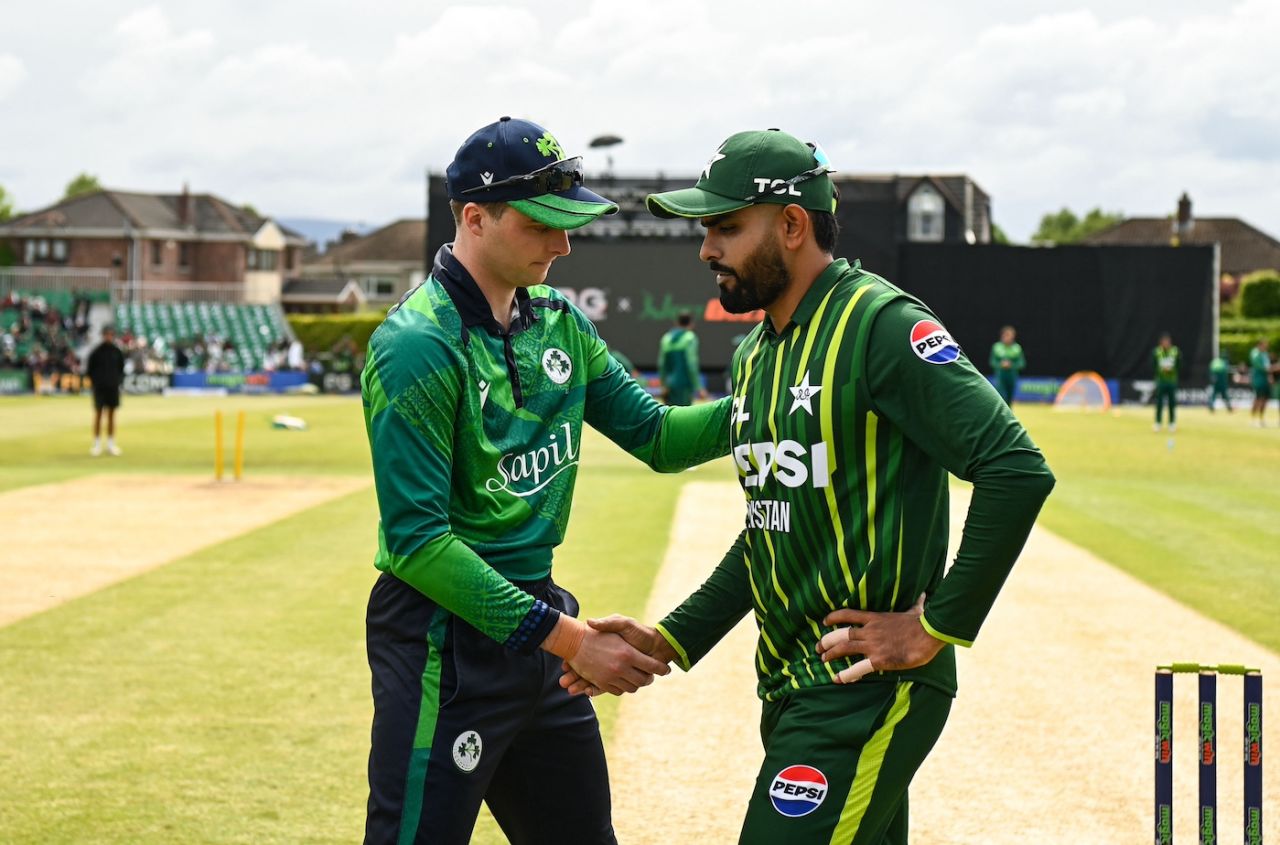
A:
{"x":824,"y":167}
{"x":557,"y":177}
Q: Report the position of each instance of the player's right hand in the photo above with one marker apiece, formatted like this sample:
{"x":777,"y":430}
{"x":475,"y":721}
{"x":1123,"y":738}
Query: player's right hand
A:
{"x":644,"y":638}
{"x":611,"y":664}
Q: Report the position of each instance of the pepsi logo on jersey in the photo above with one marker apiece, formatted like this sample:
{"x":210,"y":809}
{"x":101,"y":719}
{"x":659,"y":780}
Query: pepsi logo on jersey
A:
{"x":932,"y":343}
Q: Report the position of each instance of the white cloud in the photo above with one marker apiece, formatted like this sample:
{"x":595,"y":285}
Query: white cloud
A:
{"x":1111,"y":104}
{"x":12,"y":73}
{"x":151,"y":62}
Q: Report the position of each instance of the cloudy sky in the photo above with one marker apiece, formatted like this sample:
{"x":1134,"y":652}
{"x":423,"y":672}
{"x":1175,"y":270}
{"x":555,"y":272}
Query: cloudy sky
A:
{"x":329,"y":109}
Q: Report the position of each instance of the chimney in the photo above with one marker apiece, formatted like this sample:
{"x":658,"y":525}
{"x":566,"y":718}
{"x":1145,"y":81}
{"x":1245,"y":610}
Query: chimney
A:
{"x":1185,"y":223}
{"x":184,"y":206}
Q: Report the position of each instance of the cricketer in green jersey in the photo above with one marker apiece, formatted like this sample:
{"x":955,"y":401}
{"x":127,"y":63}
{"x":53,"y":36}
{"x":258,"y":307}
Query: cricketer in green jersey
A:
{"x":1261,"y":376}
{"x":852,"y":404}
{"x":1219,"y":381}
{"x":1167,"y":360}
{"x":678,"y":369}
{"x":475,"y":392}
{"x":1007,"y":361}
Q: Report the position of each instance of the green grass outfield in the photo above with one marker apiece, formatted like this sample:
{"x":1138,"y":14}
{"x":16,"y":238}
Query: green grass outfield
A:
{"x":224,"y":697}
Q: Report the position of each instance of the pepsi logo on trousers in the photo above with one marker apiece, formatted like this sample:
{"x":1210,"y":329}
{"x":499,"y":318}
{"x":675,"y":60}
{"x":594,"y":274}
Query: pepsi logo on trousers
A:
{"x":798,"y":790}
{"x":931,"y":342}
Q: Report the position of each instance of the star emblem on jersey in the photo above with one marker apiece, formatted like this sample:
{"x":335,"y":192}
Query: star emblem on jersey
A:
{"x":466,"y":751}
{"x":716,"y":156}
{"x":802,"y":395}
{"x":557,"y":365}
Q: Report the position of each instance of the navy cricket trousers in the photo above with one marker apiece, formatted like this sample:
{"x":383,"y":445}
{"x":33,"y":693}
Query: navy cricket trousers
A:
{"x":459,"y":719}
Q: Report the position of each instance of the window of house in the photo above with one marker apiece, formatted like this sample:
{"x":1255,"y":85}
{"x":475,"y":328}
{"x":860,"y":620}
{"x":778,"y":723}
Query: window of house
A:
{"x":379,"y":286}
{"x":184,"y":255}
{"x":29,"y":252}
{"x":263,"y":259}
{"x":157,"y":253}
{"x":42,"y":250}
{"x":58,"y":251}
{"x":925,"y":211}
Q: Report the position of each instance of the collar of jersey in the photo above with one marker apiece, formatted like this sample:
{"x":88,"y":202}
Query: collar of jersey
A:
{"x":467,"y":297}
{"x":813,"y":297}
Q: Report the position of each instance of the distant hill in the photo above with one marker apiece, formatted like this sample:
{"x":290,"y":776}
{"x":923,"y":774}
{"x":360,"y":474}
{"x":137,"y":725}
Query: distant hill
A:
{"x":321,"y":232}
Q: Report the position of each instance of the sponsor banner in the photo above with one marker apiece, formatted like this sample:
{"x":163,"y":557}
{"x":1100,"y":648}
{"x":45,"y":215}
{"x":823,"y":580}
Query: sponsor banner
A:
{"x":240,"y":382}
{"x":1143,"y":391}
{"x":145,"y":383}
{"x":1045,"y":389}
{"x":14,"y":381}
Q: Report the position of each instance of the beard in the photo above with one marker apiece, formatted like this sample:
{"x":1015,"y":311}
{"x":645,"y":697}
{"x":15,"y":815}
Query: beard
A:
{"x":761,"y":280}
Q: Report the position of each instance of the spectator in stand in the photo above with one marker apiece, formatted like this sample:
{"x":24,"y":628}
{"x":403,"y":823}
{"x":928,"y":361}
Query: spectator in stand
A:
{"x":106,"y":370}
{"x":294,"y":357}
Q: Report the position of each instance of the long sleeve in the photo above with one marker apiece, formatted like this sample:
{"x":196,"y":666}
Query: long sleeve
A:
{"x":411,"y":387}
{"x":703,"y":619}
{"x":950,"y":412}
{"x":668,"y":439}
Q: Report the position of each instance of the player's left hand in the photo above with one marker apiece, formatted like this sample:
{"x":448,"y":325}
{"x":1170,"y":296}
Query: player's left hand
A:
{"x":886,"y":641}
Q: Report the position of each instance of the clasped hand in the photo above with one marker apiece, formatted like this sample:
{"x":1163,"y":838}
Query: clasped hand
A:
{"x":619,"y":655}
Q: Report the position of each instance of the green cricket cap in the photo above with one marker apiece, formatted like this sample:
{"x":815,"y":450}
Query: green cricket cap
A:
{"x":754,"y":167}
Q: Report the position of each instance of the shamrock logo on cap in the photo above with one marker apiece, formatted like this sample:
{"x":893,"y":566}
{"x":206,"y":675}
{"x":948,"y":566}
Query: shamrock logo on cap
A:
{"x":550,"y":147}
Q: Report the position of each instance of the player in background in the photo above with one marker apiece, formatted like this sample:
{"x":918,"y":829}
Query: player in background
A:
{"x":678,"y":367}
{"x":1260,"y":379}
{"x":105,"y":369}
{"x":1167,"y":359}
{"x":1219,"y":381}
{"x":852,"y":404}
{"x":1007,"y":362}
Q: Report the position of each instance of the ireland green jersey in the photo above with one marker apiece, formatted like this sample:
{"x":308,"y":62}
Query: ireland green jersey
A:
{"x":1259,"y":368}
{"x":678,"y":360}
{"x":1167,"y":363}
{"x":845,"y":425}
{"x":476,"y":434}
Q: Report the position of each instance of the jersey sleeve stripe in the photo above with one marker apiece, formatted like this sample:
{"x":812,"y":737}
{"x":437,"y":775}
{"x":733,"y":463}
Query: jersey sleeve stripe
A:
{"x":946,"y":638}
{"x":682,"y":657}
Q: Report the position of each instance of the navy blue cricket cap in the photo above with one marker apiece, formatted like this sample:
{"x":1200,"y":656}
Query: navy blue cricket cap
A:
{"x":520,"y":163}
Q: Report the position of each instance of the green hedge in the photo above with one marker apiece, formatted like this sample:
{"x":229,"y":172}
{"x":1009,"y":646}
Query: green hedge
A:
{"x":1245,"y":325}
{"x":1238,"y":344}
{"x":319,"y":332}
{"x":1260,"y":294}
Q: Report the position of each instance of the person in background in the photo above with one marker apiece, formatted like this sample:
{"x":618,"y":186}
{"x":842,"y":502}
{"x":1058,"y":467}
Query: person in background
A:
{"x":106,"y":371}
{"x":1007,"y":361}
{"x":678,"y":362}
{"x":1168,"y":360}
{"x":1219,"y":377}
{"x":1260,"y":378}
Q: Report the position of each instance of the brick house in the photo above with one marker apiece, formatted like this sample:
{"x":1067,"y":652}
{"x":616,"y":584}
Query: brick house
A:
{"x":173,"y":238}
{"x":377,"y":268}
{"x":1242,"y":248}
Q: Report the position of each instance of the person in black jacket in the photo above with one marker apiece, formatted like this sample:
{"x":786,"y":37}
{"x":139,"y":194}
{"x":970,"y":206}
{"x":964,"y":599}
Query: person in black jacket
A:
{"x":106,"y":371}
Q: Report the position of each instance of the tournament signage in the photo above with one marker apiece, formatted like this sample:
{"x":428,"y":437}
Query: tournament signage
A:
{"x":145,"y":383}
{"x":240,"y":382}
{"x":14,"y":381}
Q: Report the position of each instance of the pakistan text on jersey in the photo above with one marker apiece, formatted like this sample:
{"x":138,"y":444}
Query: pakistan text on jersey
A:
{"x":769,"y":515}
{"x":557,"y":456}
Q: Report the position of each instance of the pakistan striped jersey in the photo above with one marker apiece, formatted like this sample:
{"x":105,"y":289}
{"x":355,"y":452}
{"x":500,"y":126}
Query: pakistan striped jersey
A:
{"x":844,"y":427}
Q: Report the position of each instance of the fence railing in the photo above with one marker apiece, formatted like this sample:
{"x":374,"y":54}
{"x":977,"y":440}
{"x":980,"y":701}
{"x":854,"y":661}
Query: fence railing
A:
{"x":229,"y":292}
{"x":50,"y":279}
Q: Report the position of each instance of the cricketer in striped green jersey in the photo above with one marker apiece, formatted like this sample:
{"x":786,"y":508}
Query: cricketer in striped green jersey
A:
{"x":851,"y":405}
